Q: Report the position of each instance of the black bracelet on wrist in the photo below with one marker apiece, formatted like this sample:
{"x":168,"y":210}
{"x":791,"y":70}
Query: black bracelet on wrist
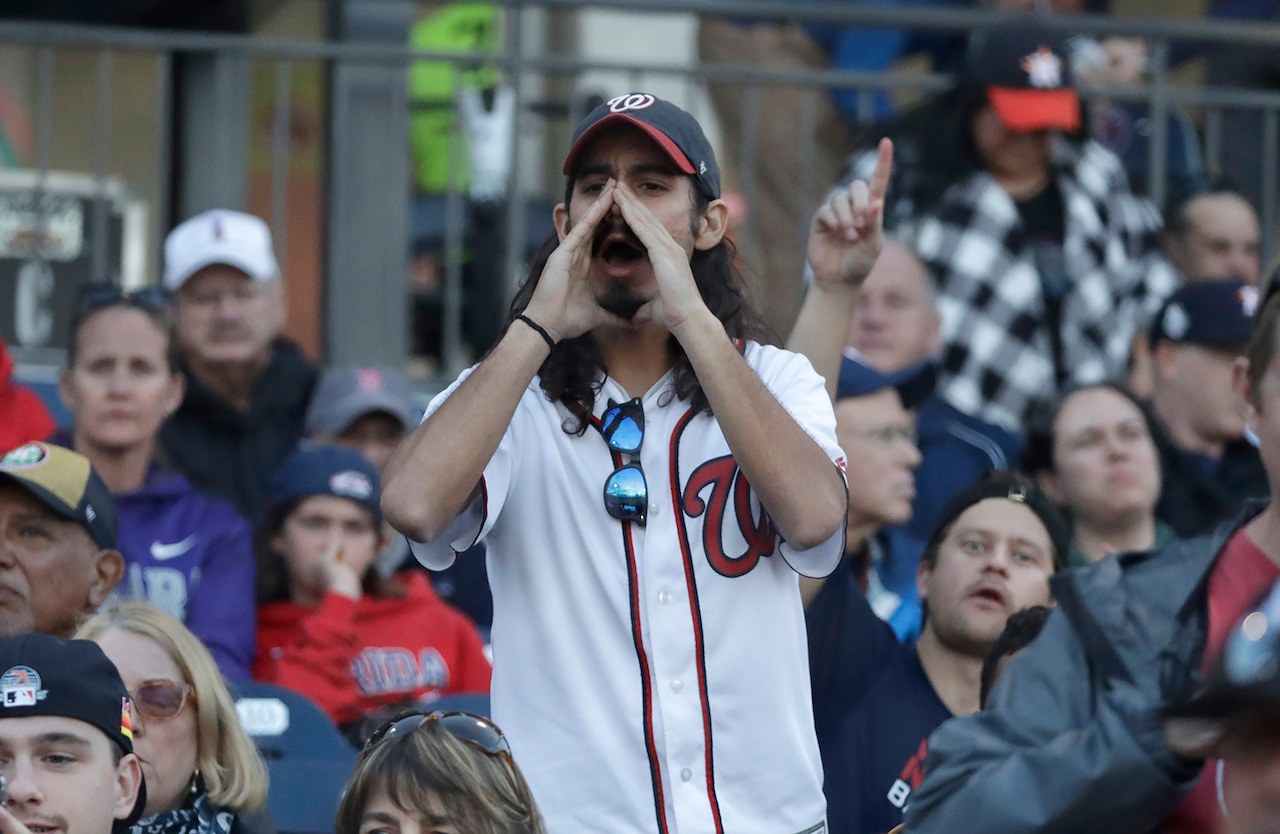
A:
{"x":539,"y":329}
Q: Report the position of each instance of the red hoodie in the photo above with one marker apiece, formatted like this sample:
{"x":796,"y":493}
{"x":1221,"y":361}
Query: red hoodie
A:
{"x":23,"y":416}
{"x":351,"y":657}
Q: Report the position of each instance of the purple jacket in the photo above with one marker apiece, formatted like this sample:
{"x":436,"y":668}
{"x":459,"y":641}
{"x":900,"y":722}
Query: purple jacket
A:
{"x":192,"y":556}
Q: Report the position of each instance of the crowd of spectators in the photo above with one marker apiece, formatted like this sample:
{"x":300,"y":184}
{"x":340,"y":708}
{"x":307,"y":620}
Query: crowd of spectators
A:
{"x":214,"y":512}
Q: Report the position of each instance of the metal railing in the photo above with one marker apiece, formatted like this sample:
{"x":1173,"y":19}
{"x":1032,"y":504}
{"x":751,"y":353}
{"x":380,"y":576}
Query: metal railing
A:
{"x":549,"y":98}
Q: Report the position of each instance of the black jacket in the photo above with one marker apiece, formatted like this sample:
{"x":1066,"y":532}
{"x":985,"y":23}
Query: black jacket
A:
{"x":1074,"y":739}
{"x":1192,"y":501}
{"x":233,"y":453}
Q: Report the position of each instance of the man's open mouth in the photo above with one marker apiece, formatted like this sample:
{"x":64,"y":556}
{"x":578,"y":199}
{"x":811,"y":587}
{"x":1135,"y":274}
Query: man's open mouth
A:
{"x":619,"y":249}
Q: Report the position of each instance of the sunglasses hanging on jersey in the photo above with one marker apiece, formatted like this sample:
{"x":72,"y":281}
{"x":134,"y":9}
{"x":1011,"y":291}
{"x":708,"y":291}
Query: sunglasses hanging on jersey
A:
{"x":626,"y":494}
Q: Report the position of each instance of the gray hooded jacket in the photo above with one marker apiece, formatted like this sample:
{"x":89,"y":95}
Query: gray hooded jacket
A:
{"x":1074,"y":739}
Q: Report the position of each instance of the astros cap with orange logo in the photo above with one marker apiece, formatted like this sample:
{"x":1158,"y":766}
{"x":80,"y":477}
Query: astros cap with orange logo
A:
{"x":65,"y":482}
{"x":1024,"y":68}
{"x":42,"y":675}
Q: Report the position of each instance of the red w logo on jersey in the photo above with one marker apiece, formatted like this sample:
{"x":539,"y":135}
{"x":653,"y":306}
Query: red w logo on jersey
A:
{"x":726,"y":481}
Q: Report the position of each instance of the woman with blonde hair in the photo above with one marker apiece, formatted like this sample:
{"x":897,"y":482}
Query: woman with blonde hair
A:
{"x":203,"y":773}
{"x":442,"y":773}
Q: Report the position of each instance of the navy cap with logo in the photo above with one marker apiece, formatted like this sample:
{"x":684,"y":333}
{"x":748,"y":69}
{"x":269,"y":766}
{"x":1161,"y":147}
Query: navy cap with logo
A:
{"x":42,"y":675}
{"x":1024,"y":70}
{"x":65,"y":482}
{"x":326,"y":470}
{"x":675,"y":131}
{"x":1213,"y":313}
{"x":914,"y":383}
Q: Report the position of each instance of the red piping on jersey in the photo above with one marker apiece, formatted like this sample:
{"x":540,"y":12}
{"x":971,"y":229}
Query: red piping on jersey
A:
{"x":646,"y":684}
{"x":695,"y":614}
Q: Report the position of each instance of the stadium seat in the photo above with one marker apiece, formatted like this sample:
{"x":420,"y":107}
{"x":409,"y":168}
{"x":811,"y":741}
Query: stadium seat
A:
{"x":309,"y":761}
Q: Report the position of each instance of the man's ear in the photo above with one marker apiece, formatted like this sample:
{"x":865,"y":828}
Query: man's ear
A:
{"x":1163,"y":356}
{"x":712,"y":226}
{"x":1245,"y":395}
{"x":128,"y":782}
{"x":560,"y":219}
{"x":108,"y":570}
{"x":923,"y":572}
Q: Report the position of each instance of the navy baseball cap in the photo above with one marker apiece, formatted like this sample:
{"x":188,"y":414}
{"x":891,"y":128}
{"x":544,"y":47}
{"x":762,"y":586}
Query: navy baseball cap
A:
{"x":42,"y":675}
{"x":1025,"y":71}
{"x":1246,"y":675}
{"x":676,"y":132}
{"x":327,"y":470}
{"x":1213,"y":313}
{"x":65,"y":482}
{"x":914,"y":383}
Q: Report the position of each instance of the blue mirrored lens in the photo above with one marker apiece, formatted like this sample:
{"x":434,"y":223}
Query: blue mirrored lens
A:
{"x":626,"y":438}
{"x":626,"y":495}
{"x":623,"y":429}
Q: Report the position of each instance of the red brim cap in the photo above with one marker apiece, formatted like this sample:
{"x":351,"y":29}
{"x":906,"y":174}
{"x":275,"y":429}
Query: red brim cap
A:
{"x":664,"y":141}
{"x":1024,"y":110}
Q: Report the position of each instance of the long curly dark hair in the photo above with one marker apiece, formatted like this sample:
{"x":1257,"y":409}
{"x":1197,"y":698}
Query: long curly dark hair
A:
{"x":570,"y":374}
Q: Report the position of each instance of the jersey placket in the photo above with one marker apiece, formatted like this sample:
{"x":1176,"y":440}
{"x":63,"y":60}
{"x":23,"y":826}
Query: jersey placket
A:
{"x":674,"y":628}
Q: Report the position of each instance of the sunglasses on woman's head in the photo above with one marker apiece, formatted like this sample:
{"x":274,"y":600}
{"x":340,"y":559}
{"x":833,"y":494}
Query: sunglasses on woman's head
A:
{"x":104,"y":294}
{"x":468,"y":727}
{"x":626,"y":493}
{"x":160,"y":699}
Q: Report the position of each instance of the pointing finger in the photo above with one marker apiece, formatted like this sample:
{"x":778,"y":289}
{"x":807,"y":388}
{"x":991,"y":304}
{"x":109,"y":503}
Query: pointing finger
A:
{"x":884,"y":167}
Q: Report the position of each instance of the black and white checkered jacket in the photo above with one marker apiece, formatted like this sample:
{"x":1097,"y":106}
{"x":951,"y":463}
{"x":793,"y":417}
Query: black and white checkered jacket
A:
{"x":997,"y":358}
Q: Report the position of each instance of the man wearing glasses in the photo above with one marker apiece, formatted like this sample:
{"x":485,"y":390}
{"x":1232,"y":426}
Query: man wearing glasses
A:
{"x":247,"y":387}
{"x":650,"y":479}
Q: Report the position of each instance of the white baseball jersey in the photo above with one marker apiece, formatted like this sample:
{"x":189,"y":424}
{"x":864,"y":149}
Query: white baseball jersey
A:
{"x":651,"y":678}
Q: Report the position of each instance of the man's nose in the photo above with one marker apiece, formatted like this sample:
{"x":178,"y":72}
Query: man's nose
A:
{"x":20,"y":785}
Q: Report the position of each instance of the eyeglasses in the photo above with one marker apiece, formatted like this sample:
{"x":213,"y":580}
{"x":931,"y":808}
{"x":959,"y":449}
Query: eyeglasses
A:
{"x":101,"y":294}
{"x":467,"y":727}
{"x":160,"y":699}
{"x":886,"y":436}
{"x":626,"y":494}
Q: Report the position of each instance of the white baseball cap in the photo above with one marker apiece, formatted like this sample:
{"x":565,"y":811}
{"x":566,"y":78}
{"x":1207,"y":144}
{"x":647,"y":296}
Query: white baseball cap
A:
{"x":219,"y":236}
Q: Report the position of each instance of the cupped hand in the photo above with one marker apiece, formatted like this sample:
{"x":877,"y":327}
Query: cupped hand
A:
{"x":847,"y":231}
{"x":563,"y":302}
{"x":677,"y":295}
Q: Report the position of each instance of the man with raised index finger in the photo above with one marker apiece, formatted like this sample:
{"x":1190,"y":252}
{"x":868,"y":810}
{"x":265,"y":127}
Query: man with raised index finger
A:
{"x":650,"y":479}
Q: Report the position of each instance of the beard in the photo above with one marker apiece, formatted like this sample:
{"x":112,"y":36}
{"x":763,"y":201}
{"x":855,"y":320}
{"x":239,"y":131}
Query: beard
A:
{"x":621,"y":301}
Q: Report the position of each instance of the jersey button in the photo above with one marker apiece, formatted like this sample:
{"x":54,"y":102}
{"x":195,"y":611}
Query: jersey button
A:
{"x":677,"y":685}
{"x":664,"y":597}
{"x":686,"y":774}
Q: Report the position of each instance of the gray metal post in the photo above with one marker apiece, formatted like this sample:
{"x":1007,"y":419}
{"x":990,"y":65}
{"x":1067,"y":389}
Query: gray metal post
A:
{"x":367,"y":227}
{"x":213,"y":88}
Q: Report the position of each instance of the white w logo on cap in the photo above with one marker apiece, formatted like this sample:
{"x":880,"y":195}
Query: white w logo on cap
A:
{"x":630,"y":101}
